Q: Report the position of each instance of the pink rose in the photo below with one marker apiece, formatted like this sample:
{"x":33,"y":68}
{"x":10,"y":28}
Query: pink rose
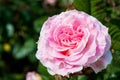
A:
{"x":73,"y":40}
{"x":33,"y":76}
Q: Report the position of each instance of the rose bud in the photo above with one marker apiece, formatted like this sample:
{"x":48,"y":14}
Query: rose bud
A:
{"x":33,"y":76}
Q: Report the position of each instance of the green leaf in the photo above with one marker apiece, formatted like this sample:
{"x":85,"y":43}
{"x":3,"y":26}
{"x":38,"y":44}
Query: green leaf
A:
{"x":82,"y":5}
{"x":115,"y":45}
{"x":115,"y":36}
{"x":39,"y":22}
{"x":82,"y":77}
{"x":32,"y":57}
{"x":28,"y":47}
{"x":10,"y":29}
{"x":43,"y":71}
{"x":98,"y":9}
{"x":95,"y":8}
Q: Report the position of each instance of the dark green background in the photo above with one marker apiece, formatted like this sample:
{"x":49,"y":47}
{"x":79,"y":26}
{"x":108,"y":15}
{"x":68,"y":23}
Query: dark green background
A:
{"x":20,"y":24}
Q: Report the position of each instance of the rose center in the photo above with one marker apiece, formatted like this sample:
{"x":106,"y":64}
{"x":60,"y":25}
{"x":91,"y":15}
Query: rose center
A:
{"x":69,"y":37}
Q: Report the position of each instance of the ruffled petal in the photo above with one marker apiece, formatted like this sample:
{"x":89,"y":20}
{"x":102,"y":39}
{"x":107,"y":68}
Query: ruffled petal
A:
{"x":102,"y":62}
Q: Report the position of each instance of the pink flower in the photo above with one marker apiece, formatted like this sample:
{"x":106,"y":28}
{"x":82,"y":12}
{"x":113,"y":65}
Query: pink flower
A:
{"x":33,"y":76}
{"x":73,"y":40}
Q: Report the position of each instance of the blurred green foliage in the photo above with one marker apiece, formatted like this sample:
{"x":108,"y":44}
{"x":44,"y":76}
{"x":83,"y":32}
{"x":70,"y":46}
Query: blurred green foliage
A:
{"x":20,"y":24}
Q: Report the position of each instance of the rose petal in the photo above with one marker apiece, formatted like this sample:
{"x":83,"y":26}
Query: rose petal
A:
{"x":102,"y":62}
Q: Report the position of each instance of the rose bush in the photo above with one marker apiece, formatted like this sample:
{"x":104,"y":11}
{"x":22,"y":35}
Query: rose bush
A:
{"x":73,"y":40}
